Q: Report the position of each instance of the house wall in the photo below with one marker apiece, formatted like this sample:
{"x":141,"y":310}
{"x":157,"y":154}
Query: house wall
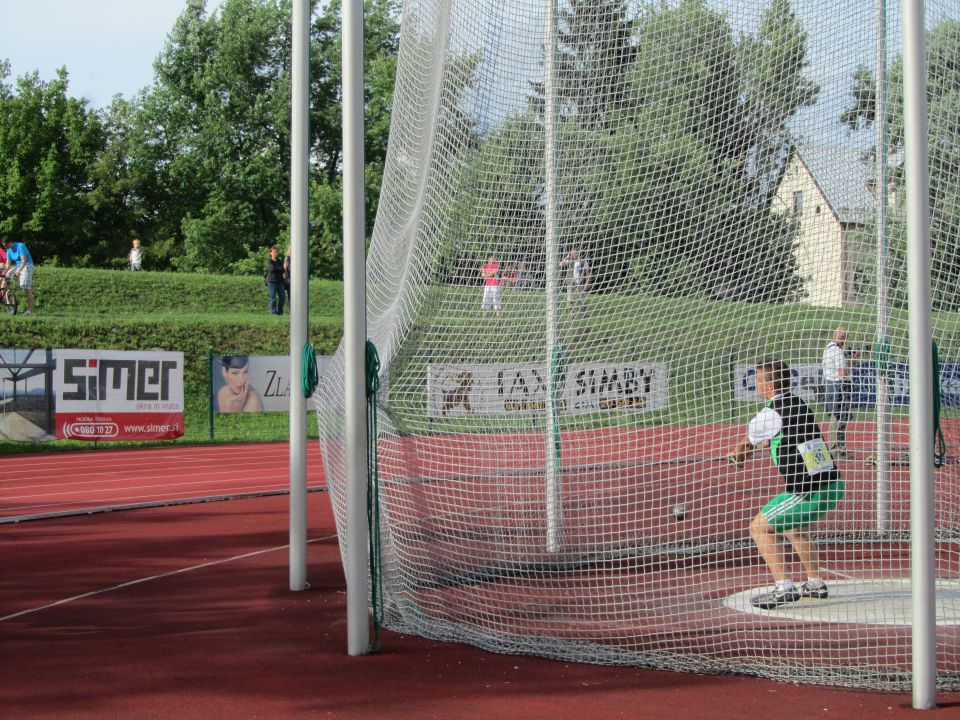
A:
{"x":860,"y":266}
{"x":819,"y":244}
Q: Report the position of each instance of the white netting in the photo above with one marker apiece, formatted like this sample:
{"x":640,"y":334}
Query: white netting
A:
{"x":711,"y":201}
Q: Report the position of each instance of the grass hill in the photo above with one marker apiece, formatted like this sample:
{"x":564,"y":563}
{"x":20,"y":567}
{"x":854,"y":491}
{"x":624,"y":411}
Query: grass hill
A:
{"x":191,"y":313}
{"x":699,"y":341}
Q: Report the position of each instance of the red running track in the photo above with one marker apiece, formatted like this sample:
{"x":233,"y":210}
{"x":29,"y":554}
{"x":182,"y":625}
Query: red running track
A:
{"x":184,"y":612}
{"x":41,"y":485}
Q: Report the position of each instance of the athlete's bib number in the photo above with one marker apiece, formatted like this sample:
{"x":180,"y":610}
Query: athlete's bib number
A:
{"x":816,"y":456}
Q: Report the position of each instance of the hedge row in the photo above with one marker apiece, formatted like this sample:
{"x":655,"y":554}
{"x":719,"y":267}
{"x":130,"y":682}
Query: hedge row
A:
{"x":192,"y":314}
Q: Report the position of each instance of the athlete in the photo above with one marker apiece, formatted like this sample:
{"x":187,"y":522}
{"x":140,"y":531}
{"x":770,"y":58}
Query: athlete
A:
{"x":813,"y":485}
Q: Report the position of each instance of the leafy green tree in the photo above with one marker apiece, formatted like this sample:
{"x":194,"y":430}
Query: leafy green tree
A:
{"x":773,"y":89}
{"x":943,"y":113}
{"x":593,"y":57}
{"x":667,"y":168}
{"x":49,"y":143}
{"x":210,"y":144}
{"x":381,"y":45}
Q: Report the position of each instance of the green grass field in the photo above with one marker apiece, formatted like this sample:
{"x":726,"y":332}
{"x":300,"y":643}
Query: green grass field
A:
{"x":700,"y":341}
{"x":193,"y":314}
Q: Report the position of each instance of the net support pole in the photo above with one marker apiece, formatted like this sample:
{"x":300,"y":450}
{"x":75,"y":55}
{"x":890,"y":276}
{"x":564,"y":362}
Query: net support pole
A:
{"x":299,"y":154}
{"x":882,"y":453}
{"x":354,"y":332}
{"x":921,"y":368}
{"x":553,"y":489}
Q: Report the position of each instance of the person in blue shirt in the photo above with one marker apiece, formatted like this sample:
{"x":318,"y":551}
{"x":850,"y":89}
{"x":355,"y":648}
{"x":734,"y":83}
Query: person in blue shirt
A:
{"x":20,"y":264}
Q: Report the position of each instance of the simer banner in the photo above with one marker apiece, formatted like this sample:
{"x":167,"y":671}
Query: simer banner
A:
{"x":118,"y":395}
{"x":516,"y":388}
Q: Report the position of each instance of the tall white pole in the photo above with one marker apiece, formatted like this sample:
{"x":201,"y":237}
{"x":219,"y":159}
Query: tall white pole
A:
{"x":553,"y":488}
{"x":881,"y":354}
{"x":921,"y":370}
{"x":299,"y":158}
{"x":355,"y":331}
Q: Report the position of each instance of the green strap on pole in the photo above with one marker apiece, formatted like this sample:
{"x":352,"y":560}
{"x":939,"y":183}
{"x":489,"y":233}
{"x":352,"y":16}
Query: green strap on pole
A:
{"x":881,"y":353}
{"x":939,"y":444}
{"x":373,"y":494}
{"x":309,"y":376}
{"x":558,"y":369}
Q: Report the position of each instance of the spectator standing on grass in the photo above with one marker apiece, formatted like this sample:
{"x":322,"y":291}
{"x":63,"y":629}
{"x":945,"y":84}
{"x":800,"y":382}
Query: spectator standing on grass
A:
{"x":286,"y":275}
{"x":578,"y":278}
{"x":20,"y":264}
{"x":524,"y":280}
{"x":274,"y":280}
{"x":838,"y":389}
{"x":136,"y":256}
{"x":490,"y":272}
{"x":788,"y":427}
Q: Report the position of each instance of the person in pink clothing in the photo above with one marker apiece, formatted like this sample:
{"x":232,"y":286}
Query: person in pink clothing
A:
{"x":490,"y":272}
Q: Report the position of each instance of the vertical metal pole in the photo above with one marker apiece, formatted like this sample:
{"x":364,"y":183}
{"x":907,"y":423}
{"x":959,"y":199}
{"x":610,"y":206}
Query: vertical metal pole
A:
{"x":880,"y":355}
{"x":553,"y":489}
{"x":921,"y":367}
{"x":354,"y":331}
{"x":299,"y":157}
{"x":210,"y":388}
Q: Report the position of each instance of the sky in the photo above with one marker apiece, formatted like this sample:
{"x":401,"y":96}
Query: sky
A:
{"x":107,"y":46}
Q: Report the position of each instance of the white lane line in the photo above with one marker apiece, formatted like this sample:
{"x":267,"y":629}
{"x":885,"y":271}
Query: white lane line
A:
{"x":92,"y":593}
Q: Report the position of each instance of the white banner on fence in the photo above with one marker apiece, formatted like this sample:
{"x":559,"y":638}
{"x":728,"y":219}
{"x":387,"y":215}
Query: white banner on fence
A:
{"x":805,"y":379}
{"x":118,"y":395}
{"x":254,"y":383}
{"x":513,"y":388}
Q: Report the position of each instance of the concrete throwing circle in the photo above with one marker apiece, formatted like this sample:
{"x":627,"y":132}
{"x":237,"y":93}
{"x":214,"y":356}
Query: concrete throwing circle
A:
{"x":872,"y":601}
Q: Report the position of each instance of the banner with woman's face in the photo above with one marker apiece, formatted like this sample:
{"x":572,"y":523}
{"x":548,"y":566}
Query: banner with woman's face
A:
{"x":254,"y":383}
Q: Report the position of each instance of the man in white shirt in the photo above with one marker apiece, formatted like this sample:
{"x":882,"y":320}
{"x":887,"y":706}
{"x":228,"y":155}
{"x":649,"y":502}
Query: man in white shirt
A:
{"x":838,"y":389}
{"x":578,"y":280}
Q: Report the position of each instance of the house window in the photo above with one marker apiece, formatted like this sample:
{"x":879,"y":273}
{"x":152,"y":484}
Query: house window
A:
{"x":798,"y":202}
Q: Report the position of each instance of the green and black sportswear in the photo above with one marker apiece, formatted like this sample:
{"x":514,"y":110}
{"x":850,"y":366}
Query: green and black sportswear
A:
{"x":799,"y":426}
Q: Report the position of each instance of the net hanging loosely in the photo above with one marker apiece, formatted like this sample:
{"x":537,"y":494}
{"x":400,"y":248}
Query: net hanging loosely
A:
{"x":593,"y":225}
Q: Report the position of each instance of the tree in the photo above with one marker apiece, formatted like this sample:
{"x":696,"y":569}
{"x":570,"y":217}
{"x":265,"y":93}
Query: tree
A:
{"x":669,"y":162}
{"x":381,"y":46}
{"x":774,"y":89}
{"x":593,"y":56}
{"x":210,"y":148}
{"x":943,"y":113}
{"x":48,"y":145}
{"x":211,"y":145}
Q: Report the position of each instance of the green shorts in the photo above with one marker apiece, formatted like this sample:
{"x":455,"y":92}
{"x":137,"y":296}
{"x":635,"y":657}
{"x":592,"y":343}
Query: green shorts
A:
{"x":788,"y":511}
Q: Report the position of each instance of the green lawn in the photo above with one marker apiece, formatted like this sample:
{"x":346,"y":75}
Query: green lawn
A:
{"x":700,"y":341}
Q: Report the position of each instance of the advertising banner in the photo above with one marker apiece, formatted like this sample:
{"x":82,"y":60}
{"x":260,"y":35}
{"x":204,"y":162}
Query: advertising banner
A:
{"x":254,"y":383}
{"x":26,"y":395}
{"x":515,"y":388}
{"x":118,"y":395}
{"x":807,"y":380}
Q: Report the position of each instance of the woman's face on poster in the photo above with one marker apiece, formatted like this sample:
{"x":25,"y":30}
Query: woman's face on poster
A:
{"x":236,"y":378}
